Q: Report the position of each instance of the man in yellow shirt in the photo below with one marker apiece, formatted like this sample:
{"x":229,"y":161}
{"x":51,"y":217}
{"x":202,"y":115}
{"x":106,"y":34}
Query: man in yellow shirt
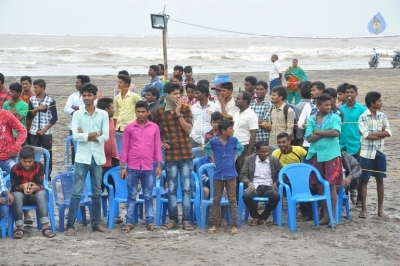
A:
{"x":287,"y":153}
{"x":124,"y":104}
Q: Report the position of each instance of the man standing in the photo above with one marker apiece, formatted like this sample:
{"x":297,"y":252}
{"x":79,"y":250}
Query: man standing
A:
{"x":246,"y":125}
{"x":282,"y":116}
{"x":188,"y":75}
{"x":260,"y":177}
{"x":26,"y":95}
{"x":225,"y":100}
{"x":154,"y":80}
{"x":152,"y":95}
{"x":124,"y":104}
{"x":75,"y":99}
{"x":9,"y":147}
{"x":350,"y":137}
{"x":131,"y":86}
{"x":202,"y":111}
{"x":250,"y":86}
{"x":16,"y":106}
{"x":305,"y":93}
{"x":3,"y":91}
{"x":262,"y":108}
{"x":43,"y":110}
{"x":175,"y":122}
{"x":275,"y":74}
{"x":90,"y":128}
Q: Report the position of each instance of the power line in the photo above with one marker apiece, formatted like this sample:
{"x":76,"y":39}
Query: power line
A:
{"x":279,"y":36}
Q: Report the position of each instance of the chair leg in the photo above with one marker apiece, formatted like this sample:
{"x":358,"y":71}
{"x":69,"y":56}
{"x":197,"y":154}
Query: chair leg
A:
{"x":347,"y":205}
{"x":39,"y":224}
{"x":159,"y":210}
{"x":3,"y":227}
{"x":104,"y":200}
{"x":315,"y":213}
{"x":339,"y":205}
{"x":164,"y":212}
{"x":61,"y":217}
{"x":292,"y":213}
{"x":10,"y":221}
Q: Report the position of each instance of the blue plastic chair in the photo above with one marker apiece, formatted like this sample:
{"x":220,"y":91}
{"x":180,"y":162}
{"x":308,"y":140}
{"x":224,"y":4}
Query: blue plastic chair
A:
{"x":118,"y":137}
{"x":120,"y":196}
{"x":197,"y":152}
{"x":206,"y":203}
{"x":342,"y":200}
{"x":299,"y":175}
{"x":66,"y":181}
{"x":241,"y":205}
{"x":3,"y":222}
{"x":68,"y":144}
{"x":162,"y":199}
{"x":104,"y":196}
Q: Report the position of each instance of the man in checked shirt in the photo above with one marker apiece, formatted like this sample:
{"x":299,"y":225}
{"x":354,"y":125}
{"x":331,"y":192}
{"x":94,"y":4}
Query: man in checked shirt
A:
{"x":175,"y":122}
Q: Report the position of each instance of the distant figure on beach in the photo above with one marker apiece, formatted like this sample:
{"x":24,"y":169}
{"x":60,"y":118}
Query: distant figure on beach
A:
{"x":350,"y":136}
{"x":275,"y":74}
{"x":43,"y":111}
{"x":124,"y":104}
{"x":131,"y":86}
{"x":90,"y":128}
{"x":140,"y":135}
{"x":225,"y":99}
{"x":250,"y":86}
{"x":374,"y":127}
{"x":175,"y":122}
{"x":27,"y":188}
{"x":294,"y":75}
{"x":154,"y":80}
{"x":202,"y":111}
{"x":3,"y":91}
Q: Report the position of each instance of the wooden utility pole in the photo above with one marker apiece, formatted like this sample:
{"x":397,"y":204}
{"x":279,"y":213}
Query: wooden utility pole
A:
{"x":164,"y":33}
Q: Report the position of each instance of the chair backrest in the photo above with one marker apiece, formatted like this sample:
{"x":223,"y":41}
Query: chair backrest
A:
{"x":299,"y":177}
{"x":194,"y":182}
{"x":68,"y":144}
{"x":196,"y":152}
{"x":42,"y":152}
{"x":208,"y":169}
{"x":118,"y":137}
{"x":121,"y":188}
{"x":195,"y":164}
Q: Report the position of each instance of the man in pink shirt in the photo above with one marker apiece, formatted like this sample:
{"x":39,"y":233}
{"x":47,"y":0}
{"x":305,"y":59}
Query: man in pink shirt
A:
{"x":141,"y":146}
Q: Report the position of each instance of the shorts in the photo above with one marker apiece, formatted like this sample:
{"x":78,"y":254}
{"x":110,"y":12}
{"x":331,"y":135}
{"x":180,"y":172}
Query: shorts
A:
{"x":378,"y":164}
{"x":331,"y":171}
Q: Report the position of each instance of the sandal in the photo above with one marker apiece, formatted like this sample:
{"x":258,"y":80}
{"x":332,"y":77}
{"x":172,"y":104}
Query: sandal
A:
{"x":362,"y":215}
{"x":126,"y":228}
{"x":254,"y":222}
{"x":18,"y":233}
{"x":152,"y":228}
{"x":70,"y":232}
{"x":49,"y":234}
{"x":212,"y":229}
{"x":234,"y":230}
{"x":187,"y":226}
{"x":263,"y":222}
{"x":101,"y":229}
{"x":383,"y":216}
{"x":169,"y":226}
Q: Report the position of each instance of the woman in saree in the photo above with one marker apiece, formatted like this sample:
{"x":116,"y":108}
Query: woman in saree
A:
{"x":294,"y":75}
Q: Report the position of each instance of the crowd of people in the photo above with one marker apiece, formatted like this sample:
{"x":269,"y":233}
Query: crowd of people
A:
{"x":249,"y":137}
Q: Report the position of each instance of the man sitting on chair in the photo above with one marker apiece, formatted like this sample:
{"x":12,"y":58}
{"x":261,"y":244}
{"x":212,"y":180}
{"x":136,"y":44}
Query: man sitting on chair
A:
{"x":27,"y":188}
{"x":260,"y":176}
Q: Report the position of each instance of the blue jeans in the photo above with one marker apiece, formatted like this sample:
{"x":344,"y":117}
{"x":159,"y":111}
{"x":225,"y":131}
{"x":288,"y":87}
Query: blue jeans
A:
{"x":146,"y":179}
{"x":6,"y":165}
{"x":273,"y":83}
{"x":80,"y":174}
{"x":185,"y":169}
{"x":38,"y":199}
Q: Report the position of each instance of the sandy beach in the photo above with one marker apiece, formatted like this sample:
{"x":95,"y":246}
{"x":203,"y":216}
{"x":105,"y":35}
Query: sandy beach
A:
{"x":371,"y":241}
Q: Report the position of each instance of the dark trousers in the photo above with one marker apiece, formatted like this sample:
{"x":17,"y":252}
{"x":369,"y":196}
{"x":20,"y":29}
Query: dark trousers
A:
{"x":261,"y":191}
{"x":72,"y":150}
{"x":44,"y":141}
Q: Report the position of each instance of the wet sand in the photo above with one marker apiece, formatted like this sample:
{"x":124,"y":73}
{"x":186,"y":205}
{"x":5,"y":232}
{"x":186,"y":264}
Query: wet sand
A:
{"x":371,"y":241}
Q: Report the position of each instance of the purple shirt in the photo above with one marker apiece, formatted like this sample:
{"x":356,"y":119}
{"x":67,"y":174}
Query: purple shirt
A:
{"x":141,"y":146}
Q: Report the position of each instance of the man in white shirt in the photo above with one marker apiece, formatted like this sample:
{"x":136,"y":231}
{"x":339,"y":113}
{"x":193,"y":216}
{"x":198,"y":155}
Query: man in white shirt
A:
{"x":260,"y":177}
{"x":246,"y":125}
{"x":225,"y":100}
{"x":275,"y":74}
{"x":201,"y":111}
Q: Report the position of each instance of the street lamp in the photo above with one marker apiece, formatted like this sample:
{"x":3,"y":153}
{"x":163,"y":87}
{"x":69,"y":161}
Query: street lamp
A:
{"x":159,"y":22}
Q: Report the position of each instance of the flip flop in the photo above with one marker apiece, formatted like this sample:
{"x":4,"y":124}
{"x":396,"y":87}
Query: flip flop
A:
{"x":126,"y":228}
{"x":70,"y":232}
{"x":324,"y":223}
{"x":383,"y":216}
{"x":49,"y":234}
{"x":152,"y":228}
{"x":212,"y":230}
{"x":169,"y":226}
{"x":362,"y":215}
{"x":101,"y":229}
{"x":187,"y":226}
{"x":17,"y":233}
{"x":234,"y":230}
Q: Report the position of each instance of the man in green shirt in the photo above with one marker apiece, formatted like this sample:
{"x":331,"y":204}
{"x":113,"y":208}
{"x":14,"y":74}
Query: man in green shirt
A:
{"x":17,"y":106}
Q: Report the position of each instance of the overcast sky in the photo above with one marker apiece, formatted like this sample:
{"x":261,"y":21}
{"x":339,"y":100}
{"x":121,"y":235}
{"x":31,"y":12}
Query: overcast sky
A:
{"x":132,"y":17}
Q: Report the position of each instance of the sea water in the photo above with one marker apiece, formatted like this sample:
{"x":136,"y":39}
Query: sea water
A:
{"x":71,"y":55}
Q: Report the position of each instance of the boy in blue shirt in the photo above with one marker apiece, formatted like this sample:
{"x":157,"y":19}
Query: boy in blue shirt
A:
{"x":322,"y":131}
{"x":223,"y":151}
